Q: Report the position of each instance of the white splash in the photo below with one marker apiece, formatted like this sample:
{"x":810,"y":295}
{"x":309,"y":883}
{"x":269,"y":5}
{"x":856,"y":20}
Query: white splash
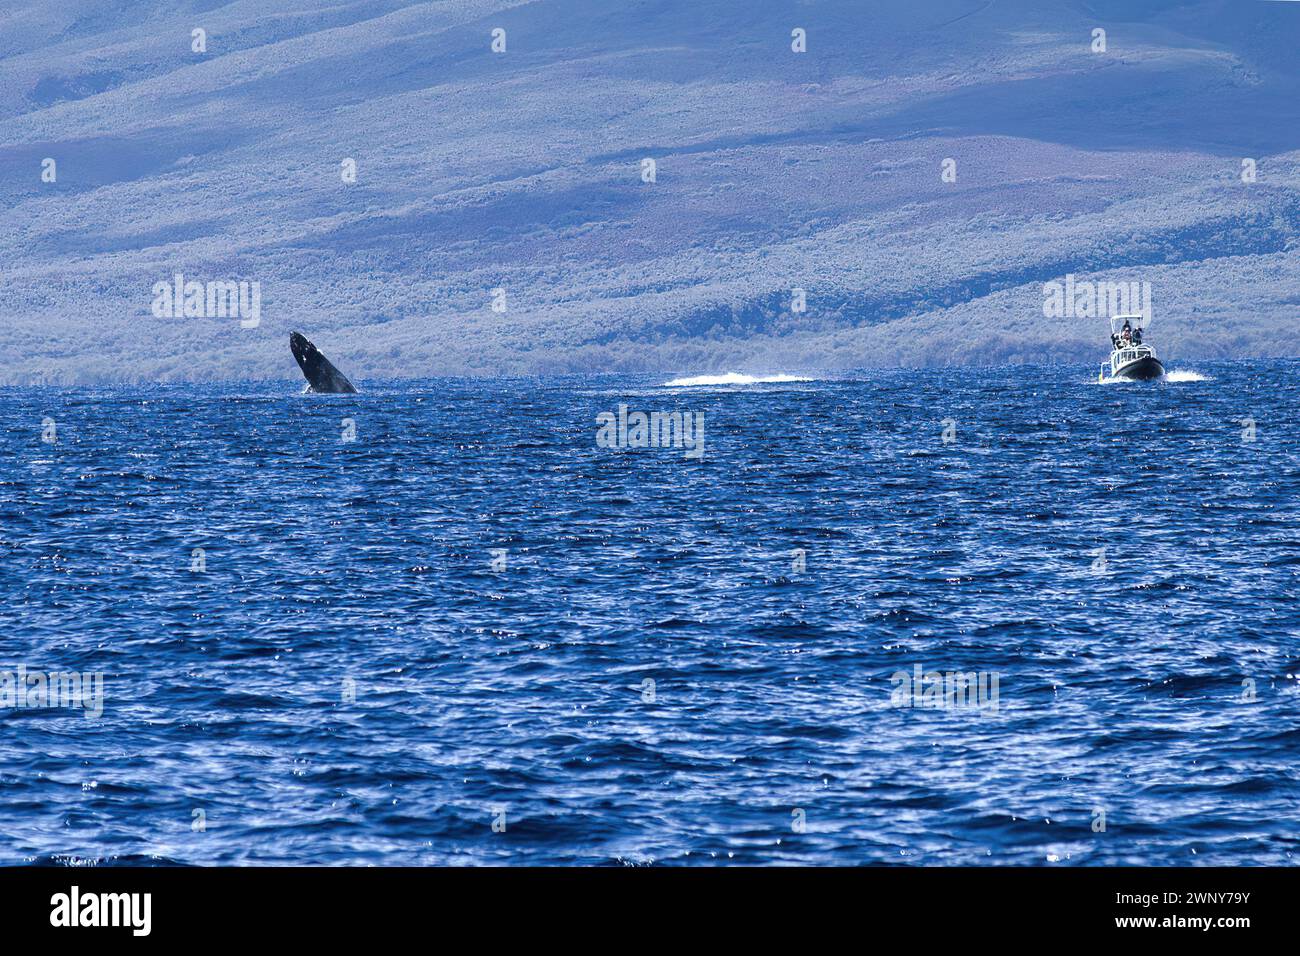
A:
{"x":1182,"y":375}
{"x":732,"y":378}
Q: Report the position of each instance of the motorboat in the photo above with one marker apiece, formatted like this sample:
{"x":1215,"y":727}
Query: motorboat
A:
{"x":1130,"y":357}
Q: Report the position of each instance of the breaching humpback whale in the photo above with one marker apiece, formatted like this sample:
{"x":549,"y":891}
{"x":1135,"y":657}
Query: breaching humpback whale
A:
{"x":321,"y":375}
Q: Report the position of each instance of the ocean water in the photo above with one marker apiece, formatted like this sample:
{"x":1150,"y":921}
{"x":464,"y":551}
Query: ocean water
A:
{"x":472,"y":635}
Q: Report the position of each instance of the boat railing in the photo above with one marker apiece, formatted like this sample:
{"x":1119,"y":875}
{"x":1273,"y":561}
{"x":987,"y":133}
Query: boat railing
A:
{"x":1130,"y":353}
{"x":1124,"y":356}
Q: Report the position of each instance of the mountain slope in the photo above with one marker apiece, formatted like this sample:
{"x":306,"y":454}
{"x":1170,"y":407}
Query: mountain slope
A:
{"x":522,"y":171}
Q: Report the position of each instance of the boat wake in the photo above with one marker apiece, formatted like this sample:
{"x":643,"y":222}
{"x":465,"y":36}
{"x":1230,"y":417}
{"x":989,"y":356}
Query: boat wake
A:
{"x":731,"y":378}
{"x":1182,"y":375}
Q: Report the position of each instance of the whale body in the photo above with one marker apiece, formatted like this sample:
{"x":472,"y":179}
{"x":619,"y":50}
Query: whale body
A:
{"x":321,"y":375}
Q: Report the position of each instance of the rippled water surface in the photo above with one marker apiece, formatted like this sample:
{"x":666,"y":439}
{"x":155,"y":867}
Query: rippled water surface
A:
{"x":650,"y":678}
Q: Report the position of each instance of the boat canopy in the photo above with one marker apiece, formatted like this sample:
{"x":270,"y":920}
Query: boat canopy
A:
{"x":1135,"y":320}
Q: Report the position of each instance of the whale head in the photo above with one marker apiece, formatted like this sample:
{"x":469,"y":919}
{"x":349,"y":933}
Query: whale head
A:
{"x":300,"y":348}
{"x":316,"y":368}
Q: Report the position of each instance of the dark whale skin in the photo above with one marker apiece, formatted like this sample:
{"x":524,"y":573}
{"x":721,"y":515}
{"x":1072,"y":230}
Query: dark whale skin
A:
{"x":321,"y":375}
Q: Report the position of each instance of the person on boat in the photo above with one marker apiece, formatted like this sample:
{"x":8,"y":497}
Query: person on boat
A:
{"x":1126,"y":333}
{"x":1137,"y":335}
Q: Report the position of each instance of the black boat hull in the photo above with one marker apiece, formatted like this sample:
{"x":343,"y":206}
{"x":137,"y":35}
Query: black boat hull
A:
{"x":1143,"y":370}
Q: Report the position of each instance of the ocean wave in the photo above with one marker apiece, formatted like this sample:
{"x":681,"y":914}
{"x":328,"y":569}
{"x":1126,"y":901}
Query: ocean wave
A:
{"x":732,"y":378}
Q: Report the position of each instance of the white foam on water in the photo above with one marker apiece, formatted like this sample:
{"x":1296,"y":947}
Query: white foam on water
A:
{"x":1182,"y":375}
{"x":731,"y":378}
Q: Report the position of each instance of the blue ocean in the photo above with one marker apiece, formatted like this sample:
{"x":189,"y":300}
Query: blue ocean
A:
{"x":957,"y":616}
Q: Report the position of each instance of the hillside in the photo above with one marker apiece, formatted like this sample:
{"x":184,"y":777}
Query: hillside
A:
{"x":522,"y":170}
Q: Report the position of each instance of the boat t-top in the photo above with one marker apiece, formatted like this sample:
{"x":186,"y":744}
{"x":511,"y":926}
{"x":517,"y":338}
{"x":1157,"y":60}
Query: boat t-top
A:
{"x":1130,"y":357}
